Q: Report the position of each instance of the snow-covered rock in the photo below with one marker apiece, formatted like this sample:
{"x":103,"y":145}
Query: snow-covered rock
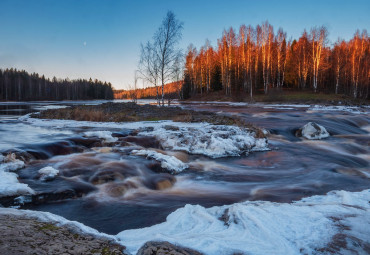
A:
{"x":259,"y":227}
{"x":9,"y":184}
{"x":106,"y":135}
{"x":206,"y":139}
{"x":170,"y":163}
{"x":48,"y":173}
{"x":312,"y":131}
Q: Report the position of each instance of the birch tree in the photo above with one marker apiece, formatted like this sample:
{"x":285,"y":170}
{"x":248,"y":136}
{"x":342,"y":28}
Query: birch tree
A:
{"x":166,"y":41}
{"x":318,"y":41}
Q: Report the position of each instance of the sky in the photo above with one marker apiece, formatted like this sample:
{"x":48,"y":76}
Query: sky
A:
{"x":101,"y":39}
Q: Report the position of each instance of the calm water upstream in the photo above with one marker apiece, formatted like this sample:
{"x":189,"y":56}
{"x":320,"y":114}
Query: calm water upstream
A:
{"x":292,"y":169}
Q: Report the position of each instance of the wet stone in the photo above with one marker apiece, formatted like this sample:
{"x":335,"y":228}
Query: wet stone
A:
{"x":161,"y":248}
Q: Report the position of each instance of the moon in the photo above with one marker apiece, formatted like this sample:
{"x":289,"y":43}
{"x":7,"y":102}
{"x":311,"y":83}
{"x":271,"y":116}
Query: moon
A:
{"x":85,"y":43}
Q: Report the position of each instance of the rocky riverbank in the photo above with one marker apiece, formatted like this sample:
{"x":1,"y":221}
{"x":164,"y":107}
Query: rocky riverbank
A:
{"x":24,"y":235}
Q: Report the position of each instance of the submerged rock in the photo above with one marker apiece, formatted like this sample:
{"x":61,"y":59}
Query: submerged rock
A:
{"x":160,"y":181}
{"x":161,"y":248}
{"x":312,"y":131}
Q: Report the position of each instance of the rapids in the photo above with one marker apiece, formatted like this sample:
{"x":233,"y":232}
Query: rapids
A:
{"x":103,"y":185}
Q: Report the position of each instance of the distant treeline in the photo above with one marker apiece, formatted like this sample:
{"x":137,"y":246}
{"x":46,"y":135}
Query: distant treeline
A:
{"x":16,"y":85}
{"x":258,"y":60}
{"x":171,"y":91}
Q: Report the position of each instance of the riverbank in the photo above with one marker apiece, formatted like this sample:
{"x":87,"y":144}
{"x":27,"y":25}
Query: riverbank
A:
{"x":283,"y":97}
{"x":20,"y":234}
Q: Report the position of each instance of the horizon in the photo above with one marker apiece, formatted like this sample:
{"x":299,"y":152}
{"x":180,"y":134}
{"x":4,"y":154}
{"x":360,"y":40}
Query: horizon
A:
{"x":92,"y":39}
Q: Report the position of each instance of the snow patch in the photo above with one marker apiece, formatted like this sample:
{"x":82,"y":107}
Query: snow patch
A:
{"x":48,"y":173}
{"x":262,"y":227}
{"x":50,"y":107}
{"x":350,"y":109}
{"x":170,"y":163}
{"x":106,"y":135}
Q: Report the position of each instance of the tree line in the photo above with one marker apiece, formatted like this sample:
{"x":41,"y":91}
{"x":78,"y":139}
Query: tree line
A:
{"x":258,"y":60}
{"x":19,"y":85}
{"x":171,"y":91}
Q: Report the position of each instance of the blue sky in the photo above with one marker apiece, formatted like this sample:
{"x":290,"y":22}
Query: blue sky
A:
{"x":101,"y":39}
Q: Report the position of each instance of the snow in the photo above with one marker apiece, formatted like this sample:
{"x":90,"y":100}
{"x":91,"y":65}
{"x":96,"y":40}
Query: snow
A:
{"x":9,"y":184}
{"x":49,"y":107}
{"x":48,"y":173}
{"x":350,"y":109}
{"x":106,"y":135}
{"x":170,"y":163}
{"x":314,"y":131}
{"x":206,"y":139}
{"x":262,"y":227}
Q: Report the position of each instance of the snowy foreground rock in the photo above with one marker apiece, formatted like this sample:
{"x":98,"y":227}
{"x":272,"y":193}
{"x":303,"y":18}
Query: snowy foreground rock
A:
{"x":9,"y":184}
{"x":332,"y":223}
{"x":312,"y":131}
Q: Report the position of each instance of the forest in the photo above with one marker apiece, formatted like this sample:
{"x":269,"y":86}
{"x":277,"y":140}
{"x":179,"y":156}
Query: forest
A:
{"x":171,"y":91}
{"x":258,"y":60}
{"x":16,"y":85}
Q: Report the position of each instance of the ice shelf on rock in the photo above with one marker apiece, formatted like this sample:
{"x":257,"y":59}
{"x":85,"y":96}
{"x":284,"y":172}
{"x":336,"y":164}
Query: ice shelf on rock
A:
{"x":170,"y":163}
{"x":106,"y":135}
{"x":206,"y":139}
{"x":9,"y":184}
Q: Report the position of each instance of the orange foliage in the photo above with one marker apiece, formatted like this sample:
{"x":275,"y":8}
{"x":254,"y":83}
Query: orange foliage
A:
{"x":171,"y":90}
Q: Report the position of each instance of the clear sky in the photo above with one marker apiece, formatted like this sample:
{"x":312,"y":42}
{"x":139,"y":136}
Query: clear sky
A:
{"x":101,"y":39}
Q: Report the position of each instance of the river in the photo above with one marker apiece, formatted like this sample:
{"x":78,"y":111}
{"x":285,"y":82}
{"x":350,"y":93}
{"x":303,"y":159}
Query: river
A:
{"x":293,"y":168}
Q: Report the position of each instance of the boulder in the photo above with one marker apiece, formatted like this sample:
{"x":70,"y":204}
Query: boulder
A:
{"x":312,"y":131}
{"x":161,"y":248}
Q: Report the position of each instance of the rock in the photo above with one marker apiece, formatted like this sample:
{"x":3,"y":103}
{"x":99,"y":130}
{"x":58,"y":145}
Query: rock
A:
{"x":144,"y":141}
{"x":160,"y":181}
{"x":106,"y":176}
{"x":161,"y":248}
{"x":119,"y":189}
{"x":312,"y":131}
{"x":22,"y":235}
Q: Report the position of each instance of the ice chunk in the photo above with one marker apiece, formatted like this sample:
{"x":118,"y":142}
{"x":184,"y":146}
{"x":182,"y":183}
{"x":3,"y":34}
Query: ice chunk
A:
{"x":313,"y":131}
{"x":48,"y":173}
{"x":106,"y":135}
{"x":170,"y":163}
{"x":302,"y":227}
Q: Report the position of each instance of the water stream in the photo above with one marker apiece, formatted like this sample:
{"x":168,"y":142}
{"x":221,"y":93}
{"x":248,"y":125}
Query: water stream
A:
{"x":111,"y":190}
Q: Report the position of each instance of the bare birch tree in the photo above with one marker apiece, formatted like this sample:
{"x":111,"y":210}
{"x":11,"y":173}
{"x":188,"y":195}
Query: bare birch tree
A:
{"x":149,"y":66}
{"x":166,"y":40}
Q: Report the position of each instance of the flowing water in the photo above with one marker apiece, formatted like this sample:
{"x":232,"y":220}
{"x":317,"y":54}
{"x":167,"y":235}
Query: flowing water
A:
{"x":106,"y":187}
